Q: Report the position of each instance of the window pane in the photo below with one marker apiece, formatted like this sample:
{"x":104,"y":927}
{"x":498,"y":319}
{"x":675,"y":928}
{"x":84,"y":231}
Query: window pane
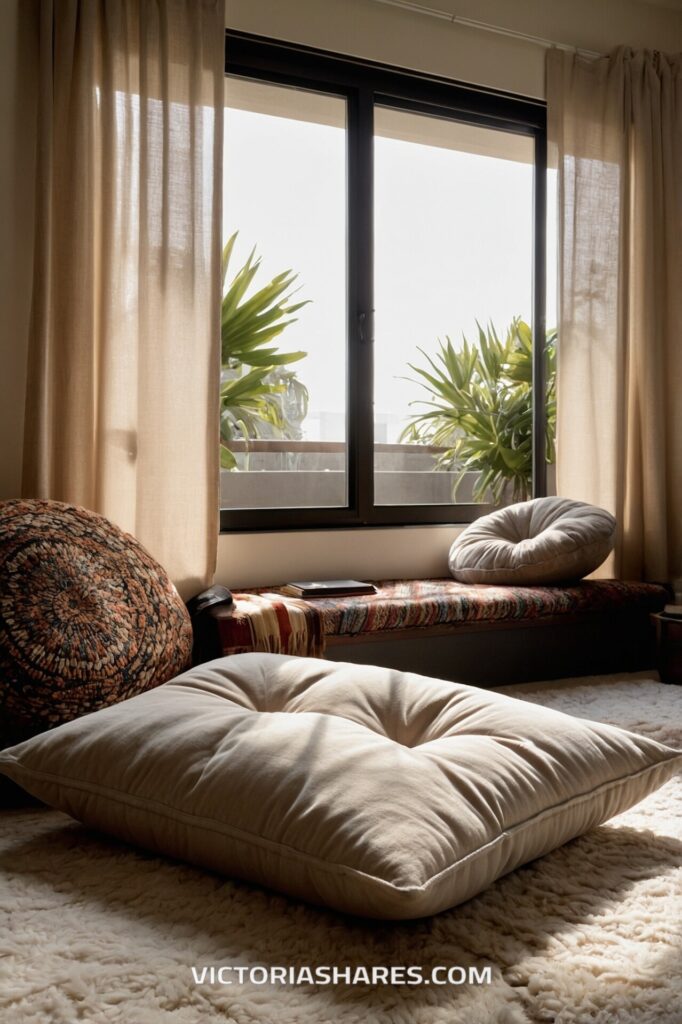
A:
{"x":283,"y":407}
{"x":453,"y":250}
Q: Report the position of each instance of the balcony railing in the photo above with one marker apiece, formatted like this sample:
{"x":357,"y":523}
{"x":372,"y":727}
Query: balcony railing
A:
{"x":278,"y":445}
{"x":297,"y":474}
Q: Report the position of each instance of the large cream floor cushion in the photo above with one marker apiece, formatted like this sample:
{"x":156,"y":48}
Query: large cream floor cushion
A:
{"x":376,"y":792}
{"x":546,"y":540}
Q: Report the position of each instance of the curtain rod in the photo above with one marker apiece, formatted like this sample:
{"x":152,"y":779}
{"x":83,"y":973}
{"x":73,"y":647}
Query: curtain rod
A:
{"x":456,"y":19}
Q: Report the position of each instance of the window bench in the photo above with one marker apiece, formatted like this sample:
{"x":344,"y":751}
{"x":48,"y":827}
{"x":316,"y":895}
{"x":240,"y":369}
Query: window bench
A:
{"x":487,"y":635}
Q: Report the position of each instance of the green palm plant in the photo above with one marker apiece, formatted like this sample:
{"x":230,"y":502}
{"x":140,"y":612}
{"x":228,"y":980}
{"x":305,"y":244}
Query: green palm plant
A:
{"x":251,"y":392}
{"x":480,"y":409}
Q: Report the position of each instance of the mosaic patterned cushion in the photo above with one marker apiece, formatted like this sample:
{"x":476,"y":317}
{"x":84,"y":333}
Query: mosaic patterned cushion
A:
{"x":87,"y":617}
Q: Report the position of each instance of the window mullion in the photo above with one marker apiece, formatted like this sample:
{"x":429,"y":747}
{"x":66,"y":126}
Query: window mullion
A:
{"x":360,"y":303}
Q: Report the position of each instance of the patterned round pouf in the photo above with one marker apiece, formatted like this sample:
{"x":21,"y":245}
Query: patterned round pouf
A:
{"x":87,"y":617}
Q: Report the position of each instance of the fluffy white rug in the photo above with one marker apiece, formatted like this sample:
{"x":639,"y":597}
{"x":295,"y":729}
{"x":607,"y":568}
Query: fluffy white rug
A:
{"x":96,"y":932}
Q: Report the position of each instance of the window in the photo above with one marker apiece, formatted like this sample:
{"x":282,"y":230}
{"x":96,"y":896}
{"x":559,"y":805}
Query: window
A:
{"x":285,"y":435}
{"x":385,"y":355}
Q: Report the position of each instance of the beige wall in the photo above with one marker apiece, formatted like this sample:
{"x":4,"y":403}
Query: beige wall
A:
{"x":362,"y":28}
{"x":263,"y":559}
{"x":374,"y":31}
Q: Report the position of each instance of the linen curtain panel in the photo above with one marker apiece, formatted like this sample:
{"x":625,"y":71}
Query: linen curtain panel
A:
{"x":122,"y":409}
{"x":615,"y":131}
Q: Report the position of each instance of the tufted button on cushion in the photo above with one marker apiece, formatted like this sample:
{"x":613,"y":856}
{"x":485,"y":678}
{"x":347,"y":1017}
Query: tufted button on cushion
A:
{"x":547,"y":540}
{"x":377,"y":792}
{"x":87,"y":616}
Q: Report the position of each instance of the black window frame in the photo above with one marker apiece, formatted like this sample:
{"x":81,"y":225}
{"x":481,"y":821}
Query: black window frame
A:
{"x":364,"y":85}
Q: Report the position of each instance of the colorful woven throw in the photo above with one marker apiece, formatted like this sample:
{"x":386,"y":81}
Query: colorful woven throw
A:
{"x":270,"y":622}
{"x":266,"y":620}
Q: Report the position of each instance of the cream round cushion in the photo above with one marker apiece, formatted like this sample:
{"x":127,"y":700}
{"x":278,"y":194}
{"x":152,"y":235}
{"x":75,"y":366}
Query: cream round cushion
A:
{"x":546,"y":540}
{"x":377,"y":792}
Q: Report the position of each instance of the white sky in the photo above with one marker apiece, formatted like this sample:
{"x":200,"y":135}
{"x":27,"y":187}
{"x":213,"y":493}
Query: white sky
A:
{"x":453,"y":243}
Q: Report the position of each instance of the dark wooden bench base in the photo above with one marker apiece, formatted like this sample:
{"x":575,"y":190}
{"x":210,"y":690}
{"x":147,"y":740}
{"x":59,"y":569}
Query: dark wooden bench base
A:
{"x":495,"y":653}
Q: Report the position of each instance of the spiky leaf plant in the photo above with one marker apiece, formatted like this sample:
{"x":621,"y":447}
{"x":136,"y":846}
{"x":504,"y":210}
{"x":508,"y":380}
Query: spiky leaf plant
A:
{"x":480,"y":409}
{"x":250,"y":393}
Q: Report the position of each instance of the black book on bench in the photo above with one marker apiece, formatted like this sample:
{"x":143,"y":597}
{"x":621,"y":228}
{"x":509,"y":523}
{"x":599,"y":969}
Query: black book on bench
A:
{"x":327,"y":588}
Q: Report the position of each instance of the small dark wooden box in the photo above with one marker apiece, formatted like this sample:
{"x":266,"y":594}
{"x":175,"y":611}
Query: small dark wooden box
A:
{"x":669,"y":647}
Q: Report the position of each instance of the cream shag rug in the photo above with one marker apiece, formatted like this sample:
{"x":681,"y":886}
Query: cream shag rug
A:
{"x":96,"y":932}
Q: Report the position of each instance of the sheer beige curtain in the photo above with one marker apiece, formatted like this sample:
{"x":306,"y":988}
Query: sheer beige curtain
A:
{"x":615,"y":131}
{"x":122,"y":397}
